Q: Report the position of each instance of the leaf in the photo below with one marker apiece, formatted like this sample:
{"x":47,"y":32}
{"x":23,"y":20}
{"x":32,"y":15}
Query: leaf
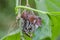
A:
{"x":45,"y":30}
{"x":52,"y":6}
{"x":55,"y":25}
{"x":49,"y":22}
{"x":12,"y":36}
{"x":48,"y":5}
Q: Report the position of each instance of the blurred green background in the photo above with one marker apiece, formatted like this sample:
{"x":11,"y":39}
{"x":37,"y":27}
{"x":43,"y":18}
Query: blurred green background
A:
{"x":7,"y":15}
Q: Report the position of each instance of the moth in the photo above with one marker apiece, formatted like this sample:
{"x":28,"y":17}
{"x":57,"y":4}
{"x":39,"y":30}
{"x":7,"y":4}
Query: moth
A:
{"x":31,"y":22}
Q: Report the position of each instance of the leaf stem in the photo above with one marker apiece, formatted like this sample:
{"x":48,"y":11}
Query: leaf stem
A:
{"x":25,"y":7}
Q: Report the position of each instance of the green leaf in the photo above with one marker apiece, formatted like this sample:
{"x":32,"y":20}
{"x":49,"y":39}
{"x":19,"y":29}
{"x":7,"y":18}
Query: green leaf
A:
{"x":48,"y":5}
{"x":55,"y":25}
{"x":52,"y":6}
{"x":13,"y":37}
{"x":49,"y":22}
{"x":45,"y":30}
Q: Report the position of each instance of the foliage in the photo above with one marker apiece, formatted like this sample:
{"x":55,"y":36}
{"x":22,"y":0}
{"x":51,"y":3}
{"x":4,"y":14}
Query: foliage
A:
{"x":50,"y":29}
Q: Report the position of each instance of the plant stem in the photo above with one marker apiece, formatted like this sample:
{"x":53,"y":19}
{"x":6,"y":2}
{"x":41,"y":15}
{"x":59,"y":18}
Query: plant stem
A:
{"x":25,"y":7}
{"x":39,"y":11}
